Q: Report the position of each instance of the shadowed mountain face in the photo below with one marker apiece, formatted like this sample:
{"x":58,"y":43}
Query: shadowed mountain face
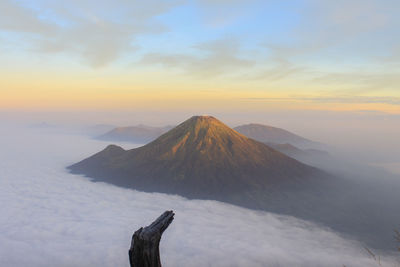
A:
{"x":200,"y":158}
{"x":137,"y":134}
{"x":269,"y":134}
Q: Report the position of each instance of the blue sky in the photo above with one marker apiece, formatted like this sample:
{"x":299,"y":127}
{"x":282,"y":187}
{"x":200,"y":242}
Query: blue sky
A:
{"x":306,"y":48}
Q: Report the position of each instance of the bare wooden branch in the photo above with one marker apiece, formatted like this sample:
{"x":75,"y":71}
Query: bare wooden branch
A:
{"x":144,"y":251}
{"x":397,"y":238}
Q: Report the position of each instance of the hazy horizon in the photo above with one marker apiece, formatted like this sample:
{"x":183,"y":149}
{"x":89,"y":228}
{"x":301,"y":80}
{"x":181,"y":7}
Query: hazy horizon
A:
{"x":367,"y":137}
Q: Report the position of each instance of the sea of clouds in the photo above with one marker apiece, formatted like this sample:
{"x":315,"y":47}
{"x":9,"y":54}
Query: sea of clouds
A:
{"x":49,"y":217}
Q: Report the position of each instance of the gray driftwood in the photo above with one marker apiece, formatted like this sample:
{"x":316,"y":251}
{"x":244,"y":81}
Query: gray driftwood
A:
{"x":144,"y":251}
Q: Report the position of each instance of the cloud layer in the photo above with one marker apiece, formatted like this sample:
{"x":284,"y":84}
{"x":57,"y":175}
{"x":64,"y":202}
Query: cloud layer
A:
{"x":52,"y":218}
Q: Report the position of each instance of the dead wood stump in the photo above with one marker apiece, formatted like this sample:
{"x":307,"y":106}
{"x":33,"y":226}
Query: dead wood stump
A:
{"x":144,"y":251}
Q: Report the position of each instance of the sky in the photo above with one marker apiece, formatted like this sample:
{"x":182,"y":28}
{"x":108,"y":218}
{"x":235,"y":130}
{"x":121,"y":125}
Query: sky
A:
{"x":183,"y":55}
{"x":327,"y":70}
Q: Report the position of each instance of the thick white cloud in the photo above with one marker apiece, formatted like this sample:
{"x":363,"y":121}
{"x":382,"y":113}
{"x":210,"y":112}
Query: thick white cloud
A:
{"x":51,"y":218}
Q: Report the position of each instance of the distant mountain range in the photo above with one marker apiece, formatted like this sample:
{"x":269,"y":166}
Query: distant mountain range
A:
{"x":272,"y":135}
{"x":139,"y":134}
{"x":96,"y":130}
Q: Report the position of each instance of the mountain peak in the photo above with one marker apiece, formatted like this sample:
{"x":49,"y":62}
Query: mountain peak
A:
{"x":203,"y":120}
{"x":201,"y":137}
{"x":207,"y":125}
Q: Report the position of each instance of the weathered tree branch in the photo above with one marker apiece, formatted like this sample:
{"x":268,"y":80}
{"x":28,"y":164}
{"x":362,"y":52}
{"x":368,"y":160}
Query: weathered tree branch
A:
{"x":397,"y":238}
{"x":144,"y":251}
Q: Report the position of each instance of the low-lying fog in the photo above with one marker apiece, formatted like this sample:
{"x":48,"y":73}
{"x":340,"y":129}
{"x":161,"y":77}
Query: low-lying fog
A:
{"x":49,"y":217}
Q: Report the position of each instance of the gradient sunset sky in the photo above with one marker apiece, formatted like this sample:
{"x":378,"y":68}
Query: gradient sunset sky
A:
{"x":339,"y":55}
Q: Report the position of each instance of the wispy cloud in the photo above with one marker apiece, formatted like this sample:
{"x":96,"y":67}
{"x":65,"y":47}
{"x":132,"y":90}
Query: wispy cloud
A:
{"x":349,"y":99}
{"x":212,"y":59}
{"x":222,"y":13}
{"x":325,"y":24}
{"x":83,"y":29}
{"x":275,"y":69}
{"x":362,"y":82}
{"x":356,"y":100}
{"x":15,"y":18}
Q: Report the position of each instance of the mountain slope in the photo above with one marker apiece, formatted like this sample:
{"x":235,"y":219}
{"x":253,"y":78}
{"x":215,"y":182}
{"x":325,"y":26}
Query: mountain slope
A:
{"x":200,"y":158}
{"x":269,"y":134}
